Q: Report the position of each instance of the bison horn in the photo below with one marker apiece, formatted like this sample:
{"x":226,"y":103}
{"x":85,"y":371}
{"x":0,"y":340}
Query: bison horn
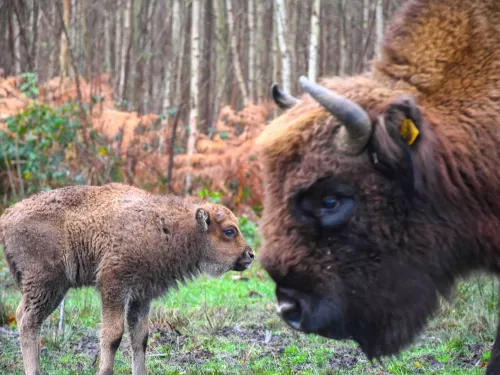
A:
{"x":282,"y":99}
{"x":355,"y":119}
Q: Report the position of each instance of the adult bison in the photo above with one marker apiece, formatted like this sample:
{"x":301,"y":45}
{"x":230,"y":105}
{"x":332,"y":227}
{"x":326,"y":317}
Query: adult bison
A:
{"x":384,"y":188}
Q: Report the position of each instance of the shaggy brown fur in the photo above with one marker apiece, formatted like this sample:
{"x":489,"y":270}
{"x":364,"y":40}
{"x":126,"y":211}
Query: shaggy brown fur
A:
{"x":132,"y":245}
{"x":423,"y":214}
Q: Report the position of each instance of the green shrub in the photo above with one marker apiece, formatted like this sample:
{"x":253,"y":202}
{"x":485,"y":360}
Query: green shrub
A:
{"x":29,"y":85}
{"x":34,"y":151}
{"x":42,"y":149}
{"x":250,"y":231}
{"x":211,"y":196}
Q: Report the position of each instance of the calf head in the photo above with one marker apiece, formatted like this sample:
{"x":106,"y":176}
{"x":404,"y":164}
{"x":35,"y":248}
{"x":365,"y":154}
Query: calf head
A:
{"x":352,"y":237}
{"x":226,"y":248}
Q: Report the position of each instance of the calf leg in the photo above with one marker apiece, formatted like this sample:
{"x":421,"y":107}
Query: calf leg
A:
{"x":138,"y":325}
{"x":113,"y":315}
{"x":38,"y":302}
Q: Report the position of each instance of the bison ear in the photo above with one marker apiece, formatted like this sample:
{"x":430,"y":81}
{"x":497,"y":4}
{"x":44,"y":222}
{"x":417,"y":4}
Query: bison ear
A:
{"x":203,"y":219}
{"x":403,"y":120}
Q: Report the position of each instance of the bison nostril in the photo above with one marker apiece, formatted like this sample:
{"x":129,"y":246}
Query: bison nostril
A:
{"x":289,"y":307}
{"x":291,"y":312}
{"x":251,"y":255}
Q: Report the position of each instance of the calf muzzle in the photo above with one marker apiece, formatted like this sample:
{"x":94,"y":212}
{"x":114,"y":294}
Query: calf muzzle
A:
{"x":245,"y":260}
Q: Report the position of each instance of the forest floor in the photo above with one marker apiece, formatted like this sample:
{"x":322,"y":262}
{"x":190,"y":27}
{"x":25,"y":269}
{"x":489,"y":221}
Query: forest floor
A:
{"x":230,"y":326}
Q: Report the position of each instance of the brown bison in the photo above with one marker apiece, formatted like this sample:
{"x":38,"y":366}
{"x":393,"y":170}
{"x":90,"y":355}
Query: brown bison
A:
{"x":384,"y":188}
{"x":132,"y":245}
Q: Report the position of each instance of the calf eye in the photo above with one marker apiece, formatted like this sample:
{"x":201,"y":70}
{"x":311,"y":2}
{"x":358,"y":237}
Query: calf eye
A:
{"x":230,"y":233}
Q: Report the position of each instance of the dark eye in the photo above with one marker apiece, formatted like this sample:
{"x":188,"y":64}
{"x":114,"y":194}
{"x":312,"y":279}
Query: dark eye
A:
{"x":230,"y":233}
{"x":329,"y":203}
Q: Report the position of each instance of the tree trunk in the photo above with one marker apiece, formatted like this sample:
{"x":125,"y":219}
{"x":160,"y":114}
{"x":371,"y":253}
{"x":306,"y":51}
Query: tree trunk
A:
{"x":234,"y":48}
{"x":17,"y":44}
{"x":194,"y":86}
{"x":146,"y":99}
{"x":282,"y":29}
{"x":379,"y":22}
{"x":259,"y":33}
{"x":118,"y":42}
{"x":107,"y":38}
{"x":175,"y":36}
{"x":86,"y":40}
{"x":34,"y":40}
{"x":179,"y":92}
{"x":125,"y":49}
{"x":251,"y":50}
{"x":63,"y":51}
{"x":221,"y":66}
{"x":314,"y":41}
{"x":276,"y":51}
{"x":343,"y":37}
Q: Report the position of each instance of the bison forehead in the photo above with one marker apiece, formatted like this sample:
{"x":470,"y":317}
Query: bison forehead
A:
{"x":309,"y":127}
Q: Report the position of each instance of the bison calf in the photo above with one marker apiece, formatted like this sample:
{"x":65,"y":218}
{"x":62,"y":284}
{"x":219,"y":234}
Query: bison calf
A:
{"x":132,"y":245}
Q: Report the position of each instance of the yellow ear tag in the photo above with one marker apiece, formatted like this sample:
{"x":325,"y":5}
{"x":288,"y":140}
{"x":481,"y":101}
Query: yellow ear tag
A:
{"x":409,"y":131}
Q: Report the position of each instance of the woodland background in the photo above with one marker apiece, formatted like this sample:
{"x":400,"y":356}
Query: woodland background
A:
{"x":169,"y":95}
{"x":164,"y":94}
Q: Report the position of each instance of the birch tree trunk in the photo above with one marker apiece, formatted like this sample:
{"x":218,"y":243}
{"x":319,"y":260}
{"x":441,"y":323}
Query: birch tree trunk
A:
{"x":221,"y":66}
{"x":366,"y":35}
{"x":282,"y":29}
{"x":314,"y":41}
{"x":86,"y":39}
{"x":234,"y":48}
{"x":174,"y":41}
{"x":251,"y":49}
{"x":379,"y":22}
{"x":64,"y":52}
{"x":122,"y":86}
{"x":107,"y":39}
{"x":118,"y":42}
{"x":343,"y":38}
{"x":260,"y":32}
{"x":17,"y":44}
{"x":180,"y":56}
{"x":194,"y":87}
{"x":276,"y":51}
{"x":146,"y":83}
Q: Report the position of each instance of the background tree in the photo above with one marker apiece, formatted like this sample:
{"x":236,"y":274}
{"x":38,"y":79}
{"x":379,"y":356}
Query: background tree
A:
{"x":194,"y":105}
{"x":159,"y":62}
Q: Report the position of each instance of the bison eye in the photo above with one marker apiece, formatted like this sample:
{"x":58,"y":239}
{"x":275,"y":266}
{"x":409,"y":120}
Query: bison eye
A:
{"x":326,"y":204}
{"x":329,"y":203}
{"x":230,"y":233}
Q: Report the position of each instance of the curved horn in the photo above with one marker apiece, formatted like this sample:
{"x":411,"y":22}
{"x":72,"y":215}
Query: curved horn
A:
{"x":354,"y":118}
{"x":282,"y":99}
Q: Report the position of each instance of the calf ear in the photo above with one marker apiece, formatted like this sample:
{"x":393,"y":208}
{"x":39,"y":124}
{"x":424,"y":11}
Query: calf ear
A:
{"x":203,"y":219}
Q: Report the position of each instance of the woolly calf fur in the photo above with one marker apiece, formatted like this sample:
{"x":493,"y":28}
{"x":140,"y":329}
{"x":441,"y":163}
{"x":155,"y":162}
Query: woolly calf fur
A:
{"x":132,"y":245}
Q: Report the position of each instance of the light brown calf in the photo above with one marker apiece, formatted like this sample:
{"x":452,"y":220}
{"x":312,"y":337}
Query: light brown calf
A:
{"x":132,"y":245}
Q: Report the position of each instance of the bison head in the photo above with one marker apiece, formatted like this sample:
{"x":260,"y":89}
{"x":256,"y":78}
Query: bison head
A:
{"x":358,"y":236}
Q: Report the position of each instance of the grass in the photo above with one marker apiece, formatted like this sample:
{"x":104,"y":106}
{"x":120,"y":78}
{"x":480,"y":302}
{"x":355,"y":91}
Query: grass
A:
{"x":229,"y":326}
